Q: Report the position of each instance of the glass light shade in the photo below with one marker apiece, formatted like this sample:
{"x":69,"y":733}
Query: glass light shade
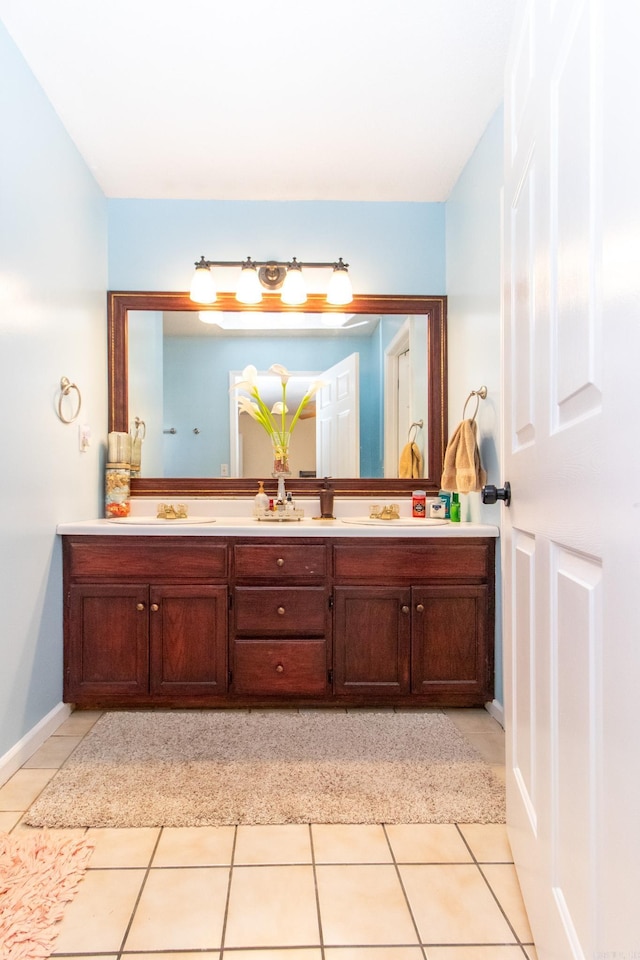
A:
{"x":339,"y":291}
{"x":294,"y":291}
{"x":249,"y":289}
{"x":203,"y":287}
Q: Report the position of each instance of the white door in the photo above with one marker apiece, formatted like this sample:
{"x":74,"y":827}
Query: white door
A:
{"x":338,"y":420}
{"x":404,"y":402}
{"x":571,"y":537}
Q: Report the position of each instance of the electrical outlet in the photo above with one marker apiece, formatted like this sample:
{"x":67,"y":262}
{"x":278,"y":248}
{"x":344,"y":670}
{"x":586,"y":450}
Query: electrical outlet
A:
{"x":224,"y":469}
{"x":84,"y":437}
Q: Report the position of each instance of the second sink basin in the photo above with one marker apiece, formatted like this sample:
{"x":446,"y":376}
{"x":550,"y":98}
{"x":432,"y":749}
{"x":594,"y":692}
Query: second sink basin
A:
{"x":402,"y":522}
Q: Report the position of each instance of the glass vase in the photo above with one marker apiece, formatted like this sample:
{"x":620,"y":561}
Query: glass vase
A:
{"x":280,"y":446}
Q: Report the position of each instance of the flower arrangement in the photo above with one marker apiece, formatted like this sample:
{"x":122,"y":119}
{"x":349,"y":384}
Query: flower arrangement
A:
{"x":273,"y":421}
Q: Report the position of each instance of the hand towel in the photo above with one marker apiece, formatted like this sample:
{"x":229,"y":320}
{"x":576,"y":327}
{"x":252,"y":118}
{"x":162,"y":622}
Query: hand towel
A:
{"x":462,"y":471}
{"x":410,"y":467}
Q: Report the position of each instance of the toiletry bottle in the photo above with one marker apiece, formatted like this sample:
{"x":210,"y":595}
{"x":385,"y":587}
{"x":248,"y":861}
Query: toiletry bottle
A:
{"x":261,"y":501}
{"x":419,"y":503}
{"x":454,"y":509}
{"x":289,"y":506}
{"x":445,"y":496}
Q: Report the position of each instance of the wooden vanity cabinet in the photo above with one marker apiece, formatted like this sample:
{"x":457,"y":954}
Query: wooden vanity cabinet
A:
{"x":414,"y":621}
{"x":202,"y":621}
{"x":281,"y":620}
{"x":145,"y":621}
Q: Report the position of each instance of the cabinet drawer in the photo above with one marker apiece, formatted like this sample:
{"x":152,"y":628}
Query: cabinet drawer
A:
{"x":280,"y":562}
{"x":297,"y":667}
{"x":413,"y":562}
{"x":145,"y":558}
{"x":281,"y":611}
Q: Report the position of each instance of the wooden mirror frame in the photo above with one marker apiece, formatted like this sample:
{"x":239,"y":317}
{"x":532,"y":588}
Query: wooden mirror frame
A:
{"x":433,"y":308}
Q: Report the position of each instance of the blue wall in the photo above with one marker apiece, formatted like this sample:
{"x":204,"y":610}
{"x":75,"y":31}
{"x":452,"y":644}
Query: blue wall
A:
{"x":392,"y":248}
{"x":474,"y":293}
{"x":53,"y":272}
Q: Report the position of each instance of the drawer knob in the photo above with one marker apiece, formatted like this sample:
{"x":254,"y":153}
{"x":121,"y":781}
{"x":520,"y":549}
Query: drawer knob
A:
{"x":405,"y":608}
{"x":279,"y":668}
{"x":281,"y":611}
{"x":139,"y":606}
{"x":280,"y":562}
{"x":420,"y":607}
{"x":155,"y":607}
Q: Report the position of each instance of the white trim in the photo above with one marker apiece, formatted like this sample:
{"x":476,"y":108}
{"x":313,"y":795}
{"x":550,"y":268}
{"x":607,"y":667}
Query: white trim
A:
{"x":398,"y":345}
{"x":496,"y":709}
{"x":32,"y":741}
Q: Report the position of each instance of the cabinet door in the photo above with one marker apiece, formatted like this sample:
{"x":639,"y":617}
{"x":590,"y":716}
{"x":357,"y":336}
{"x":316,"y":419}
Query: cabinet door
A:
{"x":450,"y":655}
{"x":107,"y":653}
{"x":188,"y":632}
{"x":372,"y":641}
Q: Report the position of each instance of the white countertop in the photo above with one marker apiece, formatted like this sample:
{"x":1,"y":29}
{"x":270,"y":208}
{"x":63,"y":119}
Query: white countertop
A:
{"x":243,"y":526}
{"x":228,"y":517}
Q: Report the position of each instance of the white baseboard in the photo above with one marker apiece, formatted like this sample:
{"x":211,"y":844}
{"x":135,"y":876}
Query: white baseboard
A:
{"x":495,"y":708}
{"x":27,"y":746}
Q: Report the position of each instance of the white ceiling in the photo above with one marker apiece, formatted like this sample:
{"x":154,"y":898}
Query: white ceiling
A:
{"x":247,"y":100}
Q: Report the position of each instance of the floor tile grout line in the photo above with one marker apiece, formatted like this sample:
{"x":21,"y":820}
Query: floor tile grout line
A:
{"x":317,"y":892}
{"x":491,"y":891}
{"x":139,"y":896}
{"x":404,"y":892}
{"x":225,"y":918}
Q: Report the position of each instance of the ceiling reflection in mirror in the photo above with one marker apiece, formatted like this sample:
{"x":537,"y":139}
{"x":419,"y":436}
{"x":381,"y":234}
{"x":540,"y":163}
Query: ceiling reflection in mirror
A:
{"x":172,"y":368}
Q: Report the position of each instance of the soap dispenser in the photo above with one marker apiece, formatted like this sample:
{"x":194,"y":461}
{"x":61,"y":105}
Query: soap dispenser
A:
{"x":261,"y":501}
{"x":326,"y":500}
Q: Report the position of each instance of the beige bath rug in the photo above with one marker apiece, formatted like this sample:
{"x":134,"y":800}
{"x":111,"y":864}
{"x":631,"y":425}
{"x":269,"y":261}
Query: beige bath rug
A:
{"x":202,"y":768}
{"x":39,"y":874}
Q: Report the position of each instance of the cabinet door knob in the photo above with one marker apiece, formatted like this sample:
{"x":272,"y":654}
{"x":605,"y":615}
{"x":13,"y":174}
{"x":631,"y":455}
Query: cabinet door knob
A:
{"x":280,"y":562}
{"x":279,"y":668}
{"x":139,"y":606}
{"x":420,"y":607}
{"x":155,"y":607}
{"x":405,"y":608}
{"x":281,"y":611}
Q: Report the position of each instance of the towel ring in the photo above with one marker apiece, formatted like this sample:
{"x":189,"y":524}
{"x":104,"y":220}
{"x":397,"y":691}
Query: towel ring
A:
{"x":65,"y":389}
{"x":417,"y":425}
{"x":480,"y":394}
{"x":139,"y":429}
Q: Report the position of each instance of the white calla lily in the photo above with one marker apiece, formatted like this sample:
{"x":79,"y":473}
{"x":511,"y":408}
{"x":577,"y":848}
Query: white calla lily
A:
{"x":255,"y":406}
{"x":248,"y":406}
{"x":314,"y":387}
{"x":281,"y":372}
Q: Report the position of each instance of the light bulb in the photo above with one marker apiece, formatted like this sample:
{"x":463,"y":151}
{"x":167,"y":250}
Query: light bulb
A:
{"x":339,"y":291}
{"x":293,"y":289}
{"x":249,"y":289}
{"x":203,"y":287}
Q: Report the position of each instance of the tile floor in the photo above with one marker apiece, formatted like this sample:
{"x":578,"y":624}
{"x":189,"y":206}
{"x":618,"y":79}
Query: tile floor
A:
{"x":291,"y":892}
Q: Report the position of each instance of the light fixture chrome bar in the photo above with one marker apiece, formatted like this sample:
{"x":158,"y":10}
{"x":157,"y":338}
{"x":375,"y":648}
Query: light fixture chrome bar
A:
{"x":271,"y":274}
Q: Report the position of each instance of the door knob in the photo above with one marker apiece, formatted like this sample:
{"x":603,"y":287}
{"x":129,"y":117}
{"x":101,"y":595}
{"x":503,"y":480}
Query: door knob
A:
{"x":491,"y":494}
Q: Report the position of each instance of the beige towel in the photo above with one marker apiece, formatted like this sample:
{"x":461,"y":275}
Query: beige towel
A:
{"x":462,"y":471}
{"x":410,"y":467}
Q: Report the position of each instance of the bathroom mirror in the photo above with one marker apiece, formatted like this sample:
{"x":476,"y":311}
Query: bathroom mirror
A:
{"x":429,"y":313}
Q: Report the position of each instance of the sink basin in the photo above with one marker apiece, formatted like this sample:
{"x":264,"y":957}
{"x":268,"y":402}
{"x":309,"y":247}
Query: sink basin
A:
{"x":160,"y":521}
{"x":402,"y":522}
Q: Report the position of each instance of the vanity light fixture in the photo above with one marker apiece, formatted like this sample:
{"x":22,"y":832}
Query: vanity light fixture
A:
{"x":272,"y":275}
